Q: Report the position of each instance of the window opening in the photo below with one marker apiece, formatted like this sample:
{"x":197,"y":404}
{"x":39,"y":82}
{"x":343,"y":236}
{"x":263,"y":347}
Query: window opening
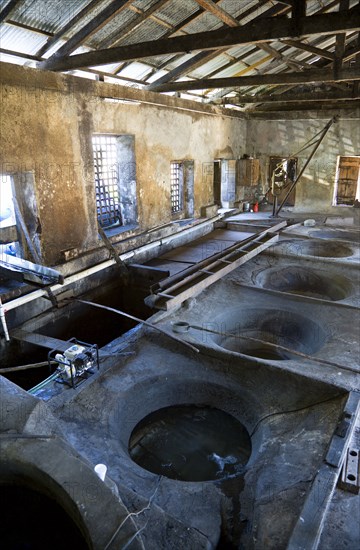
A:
{"x":7,"y":217}
{"x":106,"y":180}
{"x":7,"y":212}
{"x":115,"y":180}
{"x":177,"y":187}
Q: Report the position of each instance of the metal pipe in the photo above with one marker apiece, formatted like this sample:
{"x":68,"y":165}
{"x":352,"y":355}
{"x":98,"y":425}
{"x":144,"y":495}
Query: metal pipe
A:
{"x":146,"y":323}
{"x":3,"y":321}
{"x":324,"y":132}
{"x":183,"y":327}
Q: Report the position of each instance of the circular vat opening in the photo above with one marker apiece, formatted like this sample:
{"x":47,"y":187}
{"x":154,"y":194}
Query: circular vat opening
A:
{"x":191,"y":443}
{"x":250,"y":331}
{"x":336,"y":234}
{"x":32,"y":521}
{"x":306,"y":282}
{"x":316,"y":248}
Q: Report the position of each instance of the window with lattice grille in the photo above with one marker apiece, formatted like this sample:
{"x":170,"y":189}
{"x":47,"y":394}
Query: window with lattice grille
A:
{"x":106,"y":180}
{"x":177,"y":187}
{"x":115,"y":179}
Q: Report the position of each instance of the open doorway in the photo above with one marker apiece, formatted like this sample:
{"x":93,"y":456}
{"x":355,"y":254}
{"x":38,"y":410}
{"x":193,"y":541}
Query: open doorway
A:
{"x":282,"y":174}
{"x":347,"y":182}
{"x":115,"y":180}
{"x":217,"y":182}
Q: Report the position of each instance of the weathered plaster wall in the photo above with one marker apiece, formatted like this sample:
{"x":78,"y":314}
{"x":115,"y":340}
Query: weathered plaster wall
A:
{"x":315,"y":190}
{"x":47,"y":121}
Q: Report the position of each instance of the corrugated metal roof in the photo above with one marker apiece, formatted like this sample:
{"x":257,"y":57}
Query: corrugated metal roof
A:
{"x":20,"y":40}
{"x":118,"y":22}
{"x":46,"y":15}
{"x":51,"y":16}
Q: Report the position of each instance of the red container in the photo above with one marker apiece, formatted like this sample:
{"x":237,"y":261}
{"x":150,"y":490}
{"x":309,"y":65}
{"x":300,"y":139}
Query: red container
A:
{"x":256,"y":207}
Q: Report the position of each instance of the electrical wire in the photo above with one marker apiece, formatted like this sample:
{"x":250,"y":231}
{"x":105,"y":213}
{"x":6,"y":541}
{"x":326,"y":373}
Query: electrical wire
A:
{"x":147,"y":507}
{"x":279,"y":413}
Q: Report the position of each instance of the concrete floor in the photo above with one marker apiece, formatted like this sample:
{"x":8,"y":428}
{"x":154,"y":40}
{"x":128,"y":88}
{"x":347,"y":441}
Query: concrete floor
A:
{"x":290,"y":406}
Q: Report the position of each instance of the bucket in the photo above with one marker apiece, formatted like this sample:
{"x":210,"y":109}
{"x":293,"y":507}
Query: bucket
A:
{"x":246,"y":207}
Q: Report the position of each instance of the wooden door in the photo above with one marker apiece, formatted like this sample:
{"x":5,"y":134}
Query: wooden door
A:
{"x":348,"y":176}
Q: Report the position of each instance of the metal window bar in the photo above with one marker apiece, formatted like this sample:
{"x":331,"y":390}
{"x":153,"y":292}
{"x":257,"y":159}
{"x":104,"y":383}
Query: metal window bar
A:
{"x":106,"y":180}
{"x":176,"y":186}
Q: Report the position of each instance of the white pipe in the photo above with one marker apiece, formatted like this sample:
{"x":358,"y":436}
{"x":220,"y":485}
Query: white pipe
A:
{"x":104,"y":265}
{"x":3,"y":321}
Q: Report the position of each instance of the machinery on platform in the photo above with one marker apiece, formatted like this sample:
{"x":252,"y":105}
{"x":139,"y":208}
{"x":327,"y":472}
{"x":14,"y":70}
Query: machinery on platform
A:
{"x":75,"y":363}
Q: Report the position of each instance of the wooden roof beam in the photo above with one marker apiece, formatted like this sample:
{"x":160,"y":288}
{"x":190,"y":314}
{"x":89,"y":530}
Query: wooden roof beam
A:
{"x":66,"y":28}
{"x":219,"y":12}
{"x":340,"y":41}
{"x":263,"y":30}
{"x":308,"y":48}
{"x":121,"y":33}
{"x":90,"y":28}
{"x":291,"y":98}
{"x":204,"y":57}
{"x":304,"y":77}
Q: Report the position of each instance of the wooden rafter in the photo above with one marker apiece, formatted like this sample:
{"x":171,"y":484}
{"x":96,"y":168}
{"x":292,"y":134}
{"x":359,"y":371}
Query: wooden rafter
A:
{"x":308,"y":48}
{"x":64,"y":30}
{"x":181,"y":28}
{"x":268,"y":29}
{"x":219,"y":12}
{"x":232,"y":22}
{"x":91,"y":27}
{"x":291,"y":98}
{"x":204,"y":57}
{"x":121,"y":33}
{"x":283,"y":9}
{"x":340,"y":41}
{"x":305,"y":77}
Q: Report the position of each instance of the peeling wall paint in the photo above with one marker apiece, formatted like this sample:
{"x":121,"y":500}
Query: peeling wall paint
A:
{"x":47,"y":124}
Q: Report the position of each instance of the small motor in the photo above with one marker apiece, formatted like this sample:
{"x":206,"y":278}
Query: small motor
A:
{"x":75,"y":362}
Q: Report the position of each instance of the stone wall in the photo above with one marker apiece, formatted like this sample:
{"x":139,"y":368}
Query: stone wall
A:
{"x":285,"y":136}
{"x":47,"y":122}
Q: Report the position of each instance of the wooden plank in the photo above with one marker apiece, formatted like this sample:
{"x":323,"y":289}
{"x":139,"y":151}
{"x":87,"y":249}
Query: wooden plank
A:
{"x":206,"y":281}
{"x":192,"y":269}
{"x":262,"y":30}
{"x":114,"y":254}
{"x":8,"y":234}
{"x":40,"y":340}
{"x":221,"y":257}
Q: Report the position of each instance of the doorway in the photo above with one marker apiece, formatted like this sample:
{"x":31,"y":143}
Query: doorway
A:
{"x":282,"y":172}
{"x":347,"y":182}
